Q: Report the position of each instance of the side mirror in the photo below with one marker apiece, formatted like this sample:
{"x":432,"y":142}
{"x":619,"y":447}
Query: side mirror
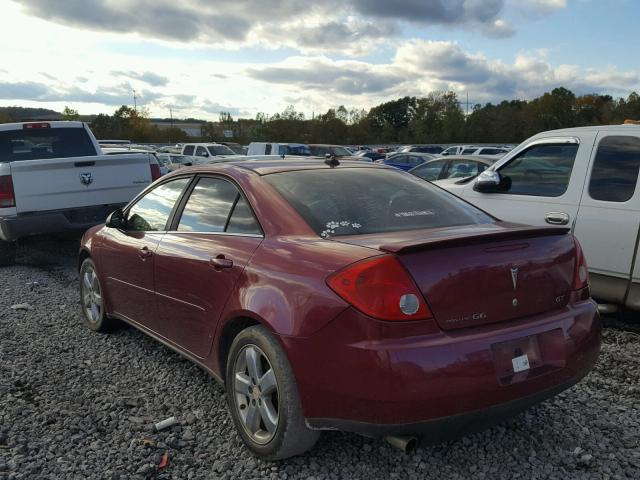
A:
{"x":116,"y":219}
{"x":488,"y":181}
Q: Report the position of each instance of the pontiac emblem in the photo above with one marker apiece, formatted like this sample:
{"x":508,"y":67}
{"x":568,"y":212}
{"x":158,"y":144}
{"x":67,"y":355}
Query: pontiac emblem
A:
{"x":514,"y":277}
{"x":86,"y":178}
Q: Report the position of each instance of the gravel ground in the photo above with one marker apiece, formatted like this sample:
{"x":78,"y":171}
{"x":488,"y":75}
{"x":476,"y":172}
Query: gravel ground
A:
{"x":75,"y":404}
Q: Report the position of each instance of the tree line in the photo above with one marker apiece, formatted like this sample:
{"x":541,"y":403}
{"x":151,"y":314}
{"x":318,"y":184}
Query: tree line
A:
{"x":435,"y":118}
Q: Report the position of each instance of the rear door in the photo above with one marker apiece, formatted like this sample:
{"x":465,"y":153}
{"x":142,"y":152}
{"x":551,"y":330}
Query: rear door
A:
{"x":199,"y":261}
{"x":609,"y":216}
{"x":543,"y":181}
{"x":127,"y":256}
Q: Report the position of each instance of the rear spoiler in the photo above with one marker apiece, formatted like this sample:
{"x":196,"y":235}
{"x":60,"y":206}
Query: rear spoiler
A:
{"x":448,"y":237}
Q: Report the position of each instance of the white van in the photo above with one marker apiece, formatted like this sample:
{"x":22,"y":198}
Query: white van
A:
{"x":585,"y":178}
{"x":266,"y":148}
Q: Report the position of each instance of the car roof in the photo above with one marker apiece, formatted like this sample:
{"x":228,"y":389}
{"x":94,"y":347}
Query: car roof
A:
{"x":488,"y":159}
{"x":289,"y":164}
{"x":415,"y":154}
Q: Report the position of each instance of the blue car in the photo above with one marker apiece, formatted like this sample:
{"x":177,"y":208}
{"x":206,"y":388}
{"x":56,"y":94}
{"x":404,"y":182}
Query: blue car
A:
{"x":407,"y":161}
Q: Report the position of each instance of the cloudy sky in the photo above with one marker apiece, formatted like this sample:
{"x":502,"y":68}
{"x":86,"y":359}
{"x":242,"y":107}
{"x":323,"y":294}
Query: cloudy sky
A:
{"x":200,"y":57}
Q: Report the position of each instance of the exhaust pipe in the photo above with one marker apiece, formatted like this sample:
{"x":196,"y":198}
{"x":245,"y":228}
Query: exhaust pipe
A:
{"x":406,"y":444}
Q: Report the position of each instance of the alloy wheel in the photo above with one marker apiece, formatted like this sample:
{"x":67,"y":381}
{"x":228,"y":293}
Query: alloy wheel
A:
{"x":256,"y":394}
{"x":91,"y":295}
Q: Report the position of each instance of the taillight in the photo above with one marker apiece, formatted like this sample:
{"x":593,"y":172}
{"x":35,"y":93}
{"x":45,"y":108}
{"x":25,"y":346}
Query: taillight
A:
{"x":31,"y":126}
{"x":7,"y":197}
{"x":581,"y":273}
{"x":155,"y":171}
{"x":381,"y":288}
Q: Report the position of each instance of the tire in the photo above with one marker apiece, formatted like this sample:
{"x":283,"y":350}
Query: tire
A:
{"x":7,"y":253}
{"x":290,"y":436}
{"x":92,"y":299}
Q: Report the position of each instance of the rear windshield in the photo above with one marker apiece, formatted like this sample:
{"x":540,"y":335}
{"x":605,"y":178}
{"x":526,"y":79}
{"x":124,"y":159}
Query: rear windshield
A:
{"x":351,"y":201}
{"x":39,"y":143}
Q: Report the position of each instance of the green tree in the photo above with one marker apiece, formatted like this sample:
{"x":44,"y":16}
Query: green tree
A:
{"x":70,"y":114}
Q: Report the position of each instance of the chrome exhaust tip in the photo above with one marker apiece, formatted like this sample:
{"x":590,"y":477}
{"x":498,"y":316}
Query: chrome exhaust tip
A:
{"x":406,"y":444}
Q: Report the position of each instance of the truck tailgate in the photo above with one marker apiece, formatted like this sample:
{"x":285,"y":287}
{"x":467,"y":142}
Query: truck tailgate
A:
{"x":60,"y":183}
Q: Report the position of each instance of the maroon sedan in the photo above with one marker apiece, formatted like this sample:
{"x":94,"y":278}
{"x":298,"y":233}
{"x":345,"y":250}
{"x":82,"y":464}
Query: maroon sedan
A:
{"x":344,"y":296}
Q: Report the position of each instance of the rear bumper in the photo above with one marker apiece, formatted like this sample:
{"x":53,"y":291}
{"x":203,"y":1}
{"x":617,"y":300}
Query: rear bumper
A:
{"x":382,"y":378}
{"x":23,"y":225}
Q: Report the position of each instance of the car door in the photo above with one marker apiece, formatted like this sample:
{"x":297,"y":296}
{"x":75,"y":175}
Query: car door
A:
{"x":609,"y":216}
{"x":198,"y":262}
{"x":542,"y":183}
{"x":127,"y":256}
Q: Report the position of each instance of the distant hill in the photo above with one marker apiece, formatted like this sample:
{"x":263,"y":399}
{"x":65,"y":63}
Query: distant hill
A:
{"x":21,"y":114}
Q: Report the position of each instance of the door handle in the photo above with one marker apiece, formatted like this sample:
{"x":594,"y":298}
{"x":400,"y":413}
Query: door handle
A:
{"x":144,"y":253}
{"x":557,"y":218}
{"x":219,"y":262}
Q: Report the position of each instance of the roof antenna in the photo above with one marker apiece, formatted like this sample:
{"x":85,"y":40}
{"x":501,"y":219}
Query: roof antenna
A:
{"x":331,"y":160}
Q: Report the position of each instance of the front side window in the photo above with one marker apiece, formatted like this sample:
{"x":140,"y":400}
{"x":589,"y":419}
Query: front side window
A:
{"x":615,"y":169}
{"x":431,"y":171}
{"x":188,"y":150}
{"x":216,"y":206}
{"x":542,"y":170}
{"x":151,"y":212}
{"x":267,"y":149}
{"x":201,"y":152}
{"x":342,"y":201}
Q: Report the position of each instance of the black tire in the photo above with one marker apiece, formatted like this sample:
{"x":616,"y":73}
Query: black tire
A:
{"x":291,"y":436}
{"x":99,"y":322}
{"x":7,"y":253}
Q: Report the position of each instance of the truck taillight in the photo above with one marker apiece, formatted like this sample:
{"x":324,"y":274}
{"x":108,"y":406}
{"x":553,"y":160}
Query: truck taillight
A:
{"x":7,"y":197}
{"x":155,"y":171}
{"x":381,"y":288}
{"x":581,"y":273}
{"x":31,"y":126}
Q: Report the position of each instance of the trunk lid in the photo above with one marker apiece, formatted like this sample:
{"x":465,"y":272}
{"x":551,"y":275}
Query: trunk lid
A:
{"x":59,"y":183}
{"x":482,"y":274}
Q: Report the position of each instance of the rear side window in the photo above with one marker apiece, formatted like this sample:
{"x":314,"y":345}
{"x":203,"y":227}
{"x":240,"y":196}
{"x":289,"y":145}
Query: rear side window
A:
{"x":151,"y":212}
{"x":431,"y":171}
{"x":267,"y":149}
{"x":188,"y":150}
{"x":16,"y":145}
{"x":468,"y":151}
{"x":216,"y":206}
{"x":615,"y":169}
{"x":347,"y":201}
{"x":542,"y":170}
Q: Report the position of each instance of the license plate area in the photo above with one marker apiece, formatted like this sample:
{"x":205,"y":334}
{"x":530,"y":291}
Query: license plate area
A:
{"x":526,"y":357}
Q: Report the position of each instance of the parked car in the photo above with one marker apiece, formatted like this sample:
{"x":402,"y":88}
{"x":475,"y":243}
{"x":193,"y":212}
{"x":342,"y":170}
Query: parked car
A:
{"x":337,"y":151}
{"x":265,"y":148}
{"x":585,"y":178}
{"x":352,"y":296}
{"x":485,"y":151}
{"x":371,"y":155}
{"x":407,"y":161}
{"x":172,"y":161}
{"x":213,"y":151}
{"x":455,"y":149}
{"x":434,"y":149}
{"x":54,"y":178}
{"x":236,"y":147}
{"x":452,"y":167}
{"x":114,"y":143}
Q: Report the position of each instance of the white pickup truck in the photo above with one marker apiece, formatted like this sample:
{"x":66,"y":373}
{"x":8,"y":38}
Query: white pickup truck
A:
{"x":585,"y":178}
{"x":54,"y":177}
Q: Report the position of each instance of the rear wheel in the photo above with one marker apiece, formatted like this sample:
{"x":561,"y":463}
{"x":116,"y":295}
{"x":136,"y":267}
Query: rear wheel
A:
{"x":92,"y":299}
{"x":263,"y":397}
{"x":7,"y":253}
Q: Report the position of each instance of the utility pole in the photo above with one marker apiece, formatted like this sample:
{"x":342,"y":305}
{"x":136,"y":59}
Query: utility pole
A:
{"x":467,"y":104}
{"x":171,"y":116}
{"x":135,"y":101}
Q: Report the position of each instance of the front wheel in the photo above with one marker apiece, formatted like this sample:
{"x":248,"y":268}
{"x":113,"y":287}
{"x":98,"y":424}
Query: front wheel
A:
{"x":7,"y":253}
{"x":263,"y":397}
{"x":92,"y":298}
